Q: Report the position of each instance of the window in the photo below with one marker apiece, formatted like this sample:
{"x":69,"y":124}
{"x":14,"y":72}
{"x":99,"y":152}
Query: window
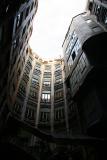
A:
{"x":37,"y":72}
{"x":36,"y":76}
{"x":22,"y":87}
{"x":46,"y":83}
{"x":29,"y":114}
{"x":35,"y":3}
{"x":77,"y":45}
{"x":29,"y":63}
{"x":78,"y":72}
{"x":58,"y":95}
{"x":47,"y":67}
{"x":17,"y":108}
{"x":84,"y":15}
{"x":56,"y":115}
{"x":46,"y":97}
{"x":30,"y":59}
{"x":35,"y":84}
{"x":32,"y":6}
{"x":82,"y":62}
{"x":73,"y":55}
{"x":59,"y":114}
{"x":18,"y":20}
{"x":58,"y":86}
{"x":70,"y":62}
{"x":58,"y":72}
{"x":58,"y":80}
{"x":47,"y":75}
{"x":89,"y":21}
{"x":27,"y":70}
{"x":105,"y":20}
{"x":47,"y":79}
{"x":71,"y":44}
{"x":44,"y":116}
{"x":38,"y":65}
{"x":69,"y":35}
{"x":57,"y":66}
{"x":14,"y":44}
{"x":18,"y":73}
{"x":27,"y":11}
{"x":27,"y":50}
{"x":32,"y":93}
{"x":97,"y":29}
{"x":58,"y":77}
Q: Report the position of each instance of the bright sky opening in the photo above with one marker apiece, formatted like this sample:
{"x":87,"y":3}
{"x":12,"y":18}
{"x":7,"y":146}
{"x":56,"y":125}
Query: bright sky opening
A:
{"x":50,"y":25}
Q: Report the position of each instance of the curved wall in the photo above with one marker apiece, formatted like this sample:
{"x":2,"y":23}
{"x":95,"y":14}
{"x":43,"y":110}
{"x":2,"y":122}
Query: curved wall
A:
{"x":40,"y":97}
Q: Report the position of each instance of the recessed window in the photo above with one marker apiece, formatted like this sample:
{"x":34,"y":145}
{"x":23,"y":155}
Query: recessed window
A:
{"x":17,"y":108}
{"x":57,"y":66}
{"x":105,"y":21}
{"x":84,"y":15}
{"x":18,"y":20}
{"x":27,"y":11}
{"x":38,"y":65}
{"x":44,"y":116}
{"x":29,"y":114}
{"x":74,"y":35}
{"x":46,"y":83}
{"x":47,"y":67}
{"x":73,"y":55}
{"x":58,"y":95}
{"x":14,"y":43}
{"x":46,"y":97}
{"x":32,"y":6}
{"x":89,"y":21}
{"x":7,"y":8}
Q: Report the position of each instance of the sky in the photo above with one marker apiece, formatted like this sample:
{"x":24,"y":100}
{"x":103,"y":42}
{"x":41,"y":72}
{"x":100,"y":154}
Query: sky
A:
{"x":50,"y":25}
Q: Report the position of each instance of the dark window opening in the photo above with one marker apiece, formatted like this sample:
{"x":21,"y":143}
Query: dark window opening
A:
{"x":73,"y":55}
{"x":27,"y":11}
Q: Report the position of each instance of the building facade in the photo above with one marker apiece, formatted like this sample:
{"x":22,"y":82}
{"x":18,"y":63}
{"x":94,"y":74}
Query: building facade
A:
{"x":40,"y":99}
{"x":15,"y":31}
{"x":85,"y":67}
{"x":39,"y":102}
{"x":82,"y":55}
